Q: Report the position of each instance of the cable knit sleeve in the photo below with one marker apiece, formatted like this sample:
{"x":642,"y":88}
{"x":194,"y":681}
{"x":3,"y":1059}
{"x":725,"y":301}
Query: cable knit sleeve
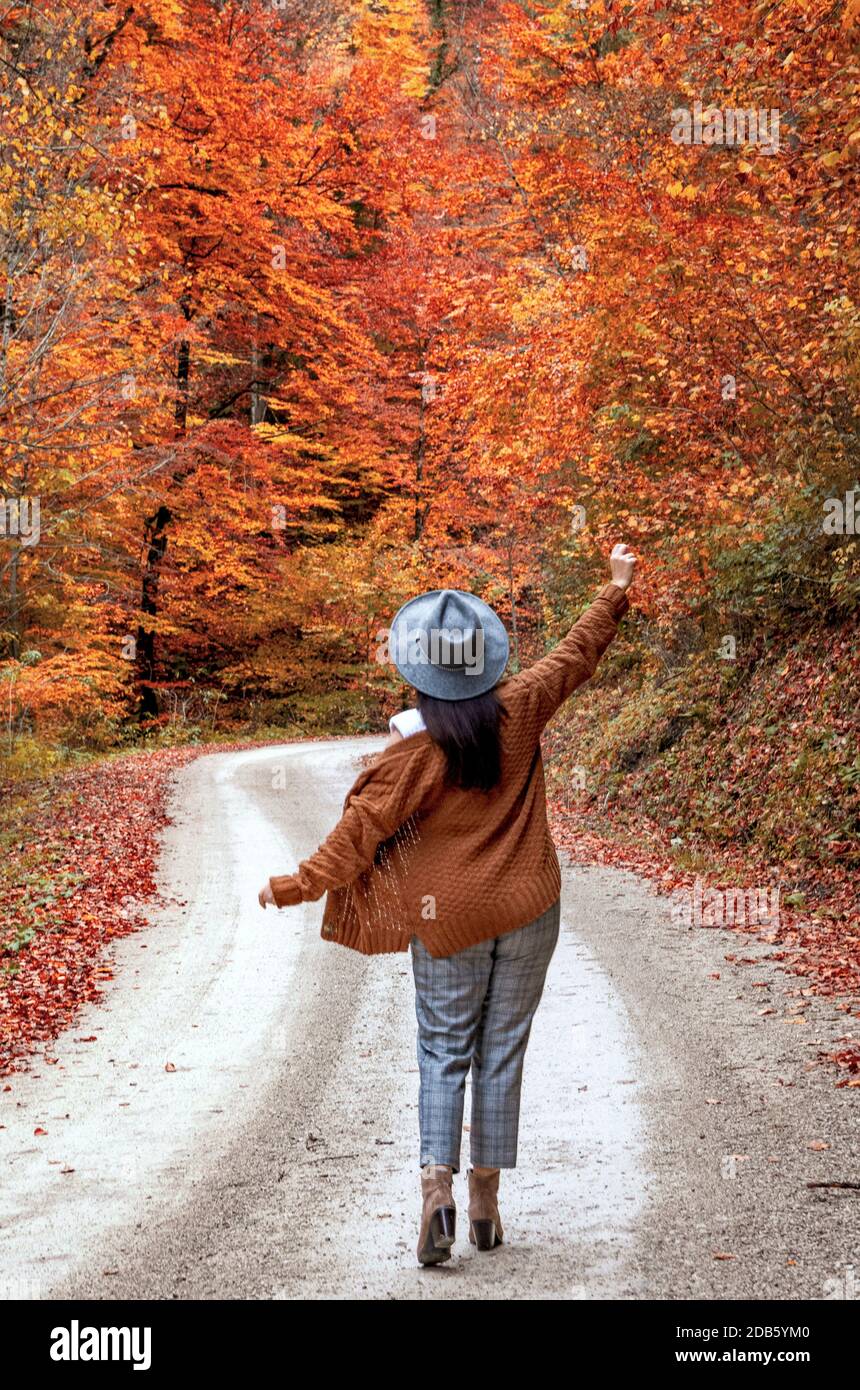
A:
{"x":550,"y":681}
{"x":384,"y":796}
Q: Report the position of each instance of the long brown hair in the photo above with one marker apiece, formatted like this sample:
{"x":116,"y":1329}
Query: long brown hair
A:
{"x":467,"y":731}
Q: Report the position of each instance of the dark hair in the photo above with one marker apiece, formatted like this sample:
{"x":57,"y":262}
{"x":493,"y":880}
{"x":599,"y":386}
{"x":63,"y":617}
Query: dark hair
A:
{"x":467,"y":731}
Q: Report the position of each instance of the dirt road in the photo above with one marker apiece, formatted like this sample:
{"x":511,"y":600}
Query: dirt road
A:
{"x":244,"y":1124}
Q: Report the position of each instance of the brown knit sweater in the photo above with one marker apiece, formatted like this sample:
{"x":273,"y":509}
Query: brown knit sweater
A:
{"x":411,"y":856}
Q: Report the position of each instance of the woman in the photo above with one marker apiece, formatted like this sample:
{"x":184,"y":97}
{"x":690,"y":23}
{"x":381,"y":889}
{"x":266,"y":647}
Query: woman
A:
{"x":443,"y":849}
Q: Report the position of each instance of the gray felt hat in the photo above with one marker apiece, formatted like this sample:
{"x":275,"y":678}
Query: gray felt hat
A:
{"x":449,"y":644}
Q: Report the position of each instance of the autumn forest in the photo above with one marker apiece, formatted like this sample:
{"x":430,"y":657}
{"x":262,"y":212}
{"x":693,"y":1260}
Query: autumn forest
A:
{"x":309,"y":305}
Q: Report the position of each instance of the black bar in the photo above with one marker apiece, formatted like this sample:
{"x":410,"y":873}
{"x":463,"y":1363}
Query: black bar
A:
{"x":226,"y":1337}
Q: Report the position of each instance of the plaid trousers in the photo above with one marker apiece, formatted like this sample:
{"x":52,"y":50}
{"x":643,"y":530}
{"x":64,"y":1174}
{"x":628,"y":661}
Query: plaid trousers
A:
{"x":475,"y":1009}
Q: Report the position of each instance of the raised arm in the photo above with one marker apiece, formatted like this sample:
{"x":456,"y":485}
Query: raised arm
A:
{"x":549,"y":682}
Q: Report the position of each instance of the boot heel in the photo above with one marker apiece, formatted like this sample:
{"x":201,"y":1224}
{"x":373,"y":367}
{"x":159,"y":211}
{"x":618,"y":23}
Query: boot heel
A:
{"x":483,"y":1234}
{"x":443,"y":1227}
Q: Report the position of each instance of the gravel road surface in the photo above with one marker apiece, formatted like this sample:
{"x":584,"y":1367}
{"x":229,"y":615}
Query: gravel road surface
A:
{"x":245,"y":1123}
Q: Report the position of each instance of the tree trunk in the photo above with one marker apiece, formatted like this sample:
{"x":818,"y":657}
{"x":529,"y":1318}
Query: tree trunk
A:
{"x":155,"y":544}
{"x":14,"y":614}
{"x":155,"y":541}
{"x":258,"y":400}
{"x":514,"y":631}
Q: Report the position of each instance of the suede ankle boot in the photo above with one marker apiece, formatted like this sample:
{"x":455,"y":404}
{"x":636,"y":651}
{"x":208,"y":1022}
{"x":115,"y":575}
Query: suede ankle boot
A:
{"x":438,"y":1215}
{"x":485,"y":1225}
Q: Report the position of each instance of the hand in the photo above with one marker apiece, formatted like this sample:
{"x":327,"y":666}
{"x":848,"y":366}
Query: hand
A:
{"x":622,"y":563}
{"x":266,"y":896}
